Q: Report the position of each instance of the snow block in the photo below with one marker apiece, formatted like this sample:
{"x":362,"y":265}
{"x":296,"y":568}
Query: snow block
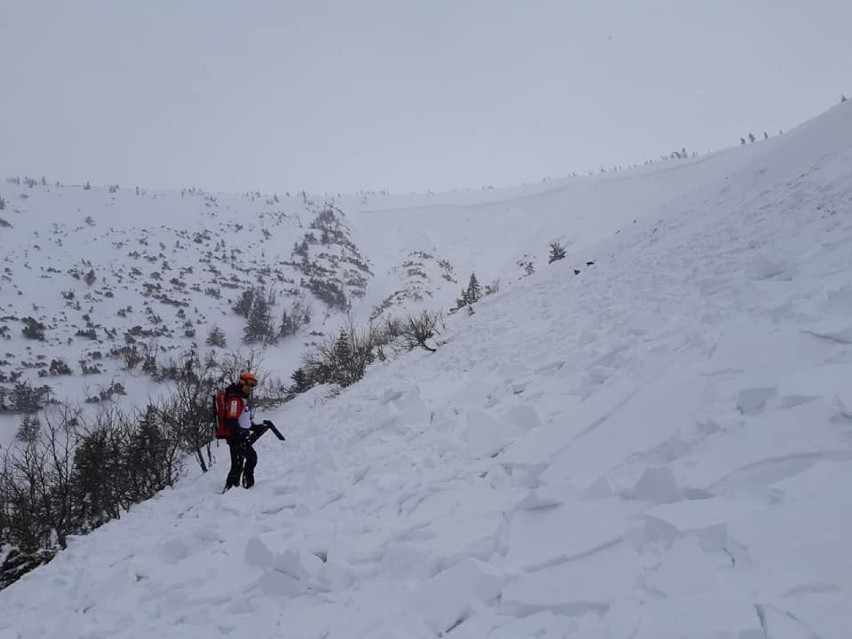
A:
{"x":833,"y":331}
{"x":474,"y":393}
{"x":830,"y":381}
{"x":687,"y":569}
{"x":769,"y":267}
{"x":752,"y":400}
{"x":695,"y":515}
{"x":404,"y":561}
{"x":652,"y":532}
{"x":548,"y":536}
{"x":447,"y":598}
{"x":409,"y":408}
{"x":390,"y":395}
{"x":657,"y":484}
{"x":589,"y":583}
{"x":537,"y":499}
{"x":707,"y":615}
{"x":174,"y":550}
{"x":485,"y":436}
{"x":542,"y":625}
{"x":337,"y":576}
{"x":537,"y":446}
{"x":839,"y":301}
{"x":258,"y":553}
{"x":497,"y":477}
{"x":276,"y":584}
{"x":528,"y":477}
{"x":299,"y":564}
{"x":600,"y":489}
{"x":291,"y":573}
{"x":713,"y":538}
{"x":522,"y":418}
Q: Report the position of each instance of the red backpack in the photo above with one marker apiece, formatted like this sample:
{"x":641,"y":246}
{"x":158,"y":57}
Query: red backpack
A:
{"x":228,"y":411}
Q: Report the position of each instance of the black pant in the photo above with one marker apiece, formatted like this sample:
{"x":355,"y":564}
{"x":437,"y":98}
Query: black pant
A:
{"x":243,"y":461}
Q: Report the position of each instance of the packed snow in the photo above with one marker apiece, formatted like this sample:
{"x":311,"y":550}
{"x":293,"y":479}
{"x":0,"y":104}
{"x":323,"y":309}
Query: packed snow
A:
{"x":658,"y":446}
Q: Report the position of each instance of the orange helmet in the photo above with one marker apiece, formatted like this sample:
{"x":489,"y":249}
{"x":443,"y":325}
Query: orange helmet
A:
{"x":248,"y":379}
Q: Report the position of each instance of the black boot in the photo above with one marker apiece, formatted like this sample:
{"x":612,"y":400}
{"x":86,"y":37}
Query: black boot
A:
{"x":248,"y":468}
{"x":237,"y":449}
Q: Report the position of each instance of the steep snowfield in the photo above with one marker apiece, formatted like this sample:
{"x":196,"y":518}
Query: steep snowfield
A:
{"x":660,"y":446}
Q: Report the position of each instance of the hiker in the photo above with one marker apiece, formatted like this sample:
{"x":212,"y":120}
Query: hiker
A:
{"x":237,"y":418}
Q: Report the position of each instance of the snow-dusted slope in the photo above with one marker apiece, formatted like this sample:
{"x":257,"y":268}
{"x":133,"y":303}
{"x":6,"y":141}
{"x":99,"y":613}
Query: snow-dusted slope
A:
{"x":107,"y":271}
{"x":496,"y":233}
{"x":660,"y":446}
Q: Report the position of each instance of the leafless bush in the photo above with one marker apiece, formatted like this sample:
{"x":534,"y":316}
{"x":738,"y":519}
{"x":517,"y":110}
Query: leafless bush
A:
{"x":240,"y":360}
{"x":151,"y":455}
{"x":129,"y":354}
{"x":187,"y":411}
{"x":421,"y":328}
{"x":72,"y":478}
{"x":399,"y":335}
{"x":343,"y":360}
{"x":37,"y":485}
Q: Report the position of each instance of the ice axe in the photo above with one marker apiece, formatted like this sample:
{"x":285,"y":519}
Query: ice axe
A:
{"x":258,"y":430}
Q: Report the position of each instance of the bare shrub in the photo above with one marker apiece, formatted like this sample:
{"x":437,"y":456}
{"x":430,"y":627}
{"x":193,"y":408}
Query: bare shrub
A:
{"x":421,"y":328}
{"x":291,"y":321}
{"x":187,"y":411}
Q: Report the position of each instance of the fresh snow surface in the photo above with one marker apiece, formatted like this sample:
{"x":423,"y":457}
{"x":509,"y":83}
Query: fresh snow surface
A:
{"x":658,"y":447}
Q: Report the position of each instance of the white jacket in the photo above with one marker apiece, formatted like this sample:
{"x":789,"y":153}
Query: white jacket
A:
{"x":245,"y":418}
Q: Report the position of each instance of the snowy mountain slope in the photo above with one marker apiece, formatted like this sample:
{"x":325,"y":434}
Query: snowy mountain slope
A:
{"x":113,"y":275}
{"x":490,"y":232}
{"x":108,"y":272}
{"x":108,"y":269}
{"x":658,"y":447}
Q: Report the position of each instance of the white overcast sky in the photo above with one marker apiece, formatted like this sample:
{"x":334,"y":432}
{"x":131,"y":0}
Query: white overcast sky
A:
{"x":333,"y":96}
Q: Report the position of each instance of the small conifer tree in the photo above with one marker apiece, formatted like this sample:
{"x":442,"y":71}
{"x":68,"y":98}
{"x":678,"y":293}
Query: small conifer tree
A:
{"x":259,"y":323}
{"x":471,"y":294}
{"x":557,"y":252}
{"x":216,"y":337}
{"x":301,"y":382}
{"x":33,"y":329}
{"x":28,"y":430}
{"x":342,"y":356}
{"x":474,"y":290}
{"x":244,"y":305}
